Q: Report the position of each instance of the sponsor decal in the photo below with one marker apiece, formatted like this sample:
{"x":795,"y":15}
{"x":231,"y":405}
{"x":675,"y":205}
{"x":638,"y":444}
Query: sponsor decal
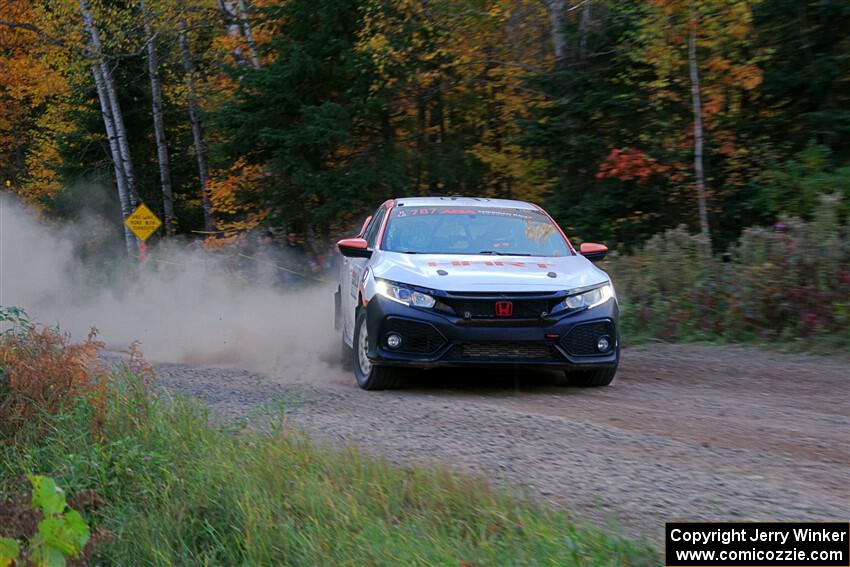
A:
{"x":488,"y":263}
{"x":531,"y":215}
{"x":353,"y":287}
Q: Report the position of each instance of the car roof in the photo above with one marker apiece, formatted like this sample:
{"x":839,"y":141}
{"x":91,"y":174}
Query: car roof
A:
{"x":458,"y":200}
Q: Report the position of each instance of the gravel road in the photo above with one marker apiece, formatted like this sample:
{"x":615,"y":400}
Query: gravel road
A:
{"x":684,"y":433}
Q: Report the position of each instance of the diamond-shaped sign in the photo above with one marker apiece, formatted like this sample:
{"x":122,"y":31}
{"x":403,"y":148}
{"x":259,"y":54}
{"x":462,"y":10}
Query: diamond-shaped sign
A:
{"x":143,"y":222}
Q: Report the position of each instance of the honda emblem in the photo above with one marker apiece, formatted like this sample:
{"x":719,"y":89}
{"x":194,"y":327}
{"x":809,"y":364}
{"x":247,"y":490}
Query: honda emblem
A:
{"x":504,"y":308}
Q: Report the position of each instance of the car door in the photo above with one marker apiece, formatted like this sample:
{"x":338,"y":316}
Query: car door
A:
{"x":352,"y":274}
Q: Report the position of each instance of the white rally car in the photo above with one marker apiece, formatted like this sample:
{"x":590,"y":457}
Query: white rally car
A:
{"x":457,"y":281}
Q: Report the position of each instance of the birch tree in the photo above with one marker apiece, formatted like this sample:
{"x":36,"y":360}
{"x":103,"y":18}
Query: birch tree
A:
{"x":701,"y":56}
{"x":696,"y":101}
{"x":195,"y":119}
{"x":113,"y":123}
{"x":126,"y":159}
{"x":249,"y":35}
{"x":234,"y":31}
{"x":159,"y":128}
{"x":584,"y":25}
{"x":115,"y":152}
{"x":557,"y":12}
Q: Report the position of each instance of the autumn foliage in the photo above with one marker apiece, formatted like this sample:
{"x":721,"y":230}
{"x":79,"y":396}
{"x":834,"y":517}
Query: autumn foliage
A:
{"x":32,"y":90}
{"x":307,"y":114}
{"x":628,"y":164}
{"x":41,"y":373}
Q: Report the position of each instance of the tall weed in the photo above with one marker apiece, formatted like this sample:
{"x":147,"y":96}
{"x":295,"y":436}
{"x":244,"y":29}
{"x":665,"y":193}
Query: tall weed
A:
{"x":41,"y":372}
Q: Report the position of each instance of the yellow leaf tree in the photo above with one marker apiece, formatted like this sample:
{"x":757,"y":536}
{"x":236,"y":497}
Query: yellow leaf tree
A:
{"x":702,"y":56}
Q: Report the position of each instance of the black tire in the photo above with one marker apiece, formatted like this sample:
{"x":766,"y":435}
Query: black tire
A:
{"x":374,"y":377}
{"x":591,"y":378}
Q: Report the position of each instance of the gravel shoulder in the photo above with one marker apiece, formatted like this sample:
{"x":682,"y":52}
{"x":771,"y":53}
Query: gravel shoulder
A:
{"x":684,"y":433}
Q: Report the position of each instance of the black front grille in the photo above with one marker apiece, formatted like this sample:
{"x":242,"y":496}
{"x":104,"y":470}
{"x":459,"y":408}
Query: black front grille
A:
{"x":582,"y":339}
{"x":501,"y":350}
{"x":475,"y":308}
{"x":417,"y":338}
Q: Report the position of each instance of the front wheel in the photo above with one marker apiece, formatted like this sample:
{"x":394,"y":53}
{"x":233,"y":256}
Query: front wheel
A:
{"x":368,"y":375}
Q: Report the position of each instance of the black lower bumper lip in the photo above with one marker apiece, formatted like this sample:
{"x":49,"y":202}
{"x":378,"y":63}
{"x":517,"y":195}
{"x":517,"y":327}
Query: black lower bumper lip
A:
{"x":430,"y":339}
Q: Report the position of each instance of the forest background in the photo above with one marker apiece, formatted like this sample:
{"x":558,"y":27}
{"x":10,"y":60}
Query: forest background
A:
{"x":706,"y":141}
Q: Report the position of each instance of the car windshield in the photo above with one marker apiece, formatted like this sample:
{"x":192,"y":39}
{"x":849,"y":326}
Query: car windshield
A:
{"x":473,"y":230}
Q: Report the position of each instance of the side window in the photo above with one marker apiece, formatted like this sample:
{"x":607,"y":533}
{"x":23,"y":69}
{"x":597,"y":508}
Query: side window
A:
{"x":371,"y":235}
{"x":366,"y":223}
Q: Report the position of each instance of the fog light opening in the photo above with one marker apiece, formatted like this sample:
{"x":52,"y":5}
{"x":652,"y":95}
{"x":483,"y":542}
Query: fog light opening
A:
{"x":603,"y":343}
{"x":394,"y":341}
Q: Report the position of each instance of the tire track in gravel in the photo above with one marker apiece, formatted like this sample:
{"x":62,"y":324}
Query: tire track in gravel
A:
{"x":684,"y":433}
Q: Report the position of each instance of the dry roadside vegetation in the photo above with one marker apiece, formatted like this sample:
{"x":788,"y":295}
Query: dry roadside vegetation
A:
{"x":156,"y":482}
{"x":43,"y":372}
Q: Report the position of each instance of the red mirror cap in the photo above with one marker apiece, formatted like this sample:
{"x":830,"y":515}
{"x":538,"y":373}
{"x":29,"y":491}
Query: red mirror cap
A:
{"x":592,"y":248}
{"x":355,"y":243}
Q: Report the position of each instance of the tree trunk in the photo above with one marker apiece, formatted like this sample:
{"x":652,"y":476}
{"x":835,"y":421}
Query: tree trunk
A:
{"x":197,"y":130}
{"x":228,"y":11}
{"x":583,"y":26}
{"x":158,"y":126}
{"x":115,"y":152}
{"x":421,"y":141}
{"x":699,"y":173}
{"x":249,"y":35}
{"x":557,"y":10}
{"x":126,"y":160}
{"x":109,"y":124}
{"x":120,"y":134}
{"x":19,"y":168}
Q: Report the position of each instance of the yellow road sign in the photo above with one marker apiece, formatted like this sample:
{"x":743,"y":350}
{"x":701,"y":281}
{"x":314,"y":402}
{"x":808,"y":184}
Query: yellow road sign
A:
{"x":143,"y":222}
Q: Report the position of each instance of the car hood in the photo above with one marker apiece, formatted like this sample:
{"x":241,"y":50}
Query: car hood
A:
{"x":482,"y":273}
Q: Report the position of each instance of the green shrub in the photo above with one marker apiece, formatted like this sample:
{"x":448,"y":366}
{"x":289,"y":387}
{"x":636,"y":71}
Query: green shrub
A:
{"x":787,"y":284}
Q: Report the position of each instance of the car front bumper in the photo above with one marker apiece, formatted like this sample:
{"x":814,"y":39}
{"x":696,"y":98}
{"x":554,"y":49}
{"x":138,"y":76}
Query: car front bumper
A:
{"x":430,"y":338}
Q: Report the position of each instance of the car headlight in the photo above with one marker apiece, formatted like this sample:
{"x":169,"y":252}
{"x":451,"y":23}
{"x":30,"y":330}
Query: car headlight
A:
{"x":403,"y":295}
{"x":590,"y":298}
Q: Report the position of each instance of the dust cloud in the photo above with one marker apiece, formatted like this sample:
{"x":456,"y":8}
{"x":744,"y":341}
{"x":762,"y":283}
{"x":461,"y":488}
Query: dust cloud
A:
{"x":183,"y":306}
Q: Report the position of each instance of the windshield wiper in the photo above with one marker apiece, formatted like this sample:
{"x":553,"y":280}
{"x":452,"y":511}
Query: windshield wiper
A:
{"x":494,"y":252}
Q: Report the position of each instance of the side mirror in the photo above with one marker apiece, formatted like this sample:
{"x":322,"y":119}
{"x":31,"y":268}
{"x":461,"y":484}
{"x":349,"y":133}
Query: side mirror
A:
{"x":354,"y":248}
{"x":593,"y":252}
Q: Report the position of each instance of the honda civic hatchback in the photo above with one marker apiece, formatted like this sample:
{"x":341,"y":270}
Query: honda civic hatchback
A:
{"x":462,"y":281}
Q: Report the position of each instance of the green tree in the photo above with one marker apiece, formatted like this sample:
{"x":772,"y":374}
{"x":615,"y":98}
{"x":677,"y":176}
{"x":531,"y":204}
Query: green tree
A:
{"x":596,"y":114}
{"x":309,"y":119}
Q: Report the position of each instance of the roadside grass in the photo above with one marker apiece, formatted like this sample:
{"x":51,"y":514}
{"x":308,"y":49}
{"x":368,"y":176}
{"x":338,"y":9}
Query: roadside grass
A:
{"x":637,"y":334}
{"x":177,"y":490}
{"x":797,"y":346}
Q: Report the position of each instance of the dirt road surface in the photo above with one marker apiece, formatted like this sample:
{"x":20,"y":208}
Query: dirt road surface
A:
{"x":684,"y":433}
